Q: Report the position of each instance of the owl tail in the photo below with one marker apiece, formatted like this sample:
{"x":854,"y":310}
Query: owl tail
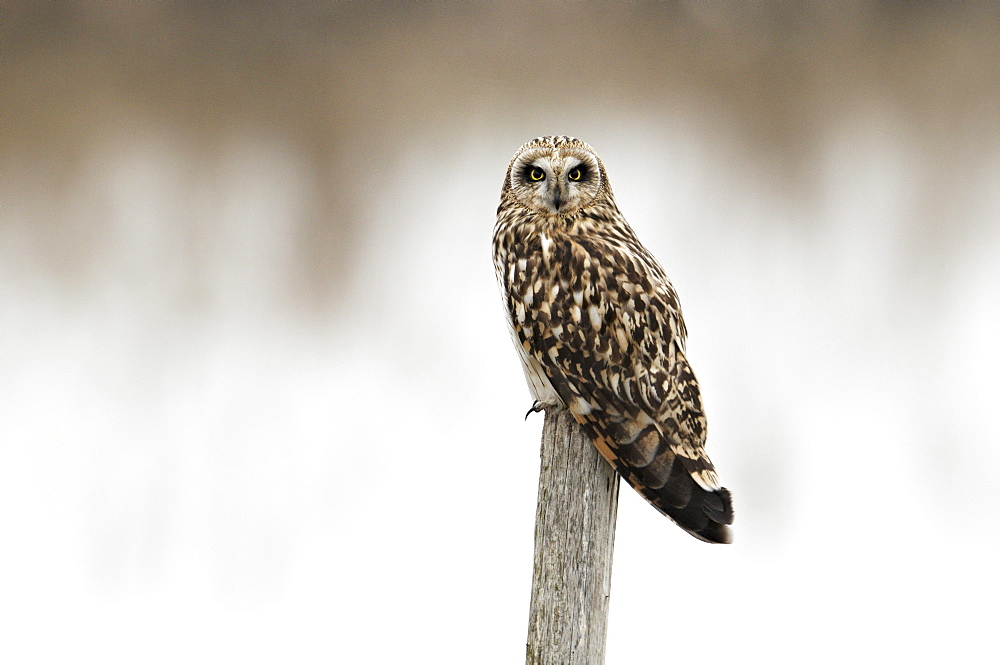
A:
{"x":666,"y":479}
{"x":705,"y":514}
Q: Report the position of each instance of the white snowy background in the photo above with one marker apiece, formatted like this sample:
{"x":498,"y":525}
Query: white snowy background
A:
{"x":257,"y":399}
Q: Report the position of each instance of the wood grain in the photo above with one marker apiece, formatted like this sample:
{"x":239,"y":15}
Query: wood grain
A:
{"x":574,"y":543}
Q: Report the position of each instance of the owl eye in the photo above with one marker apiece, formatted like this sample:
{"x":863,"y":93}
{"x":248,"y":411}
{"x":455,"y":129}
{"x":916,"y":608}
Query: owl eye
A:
{"x":575,"y":174}
{"x":536,"y":174}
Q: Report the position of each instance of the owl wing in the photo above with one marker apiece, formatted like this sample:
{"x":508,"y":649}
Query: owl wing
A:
{"x":602,"y":321}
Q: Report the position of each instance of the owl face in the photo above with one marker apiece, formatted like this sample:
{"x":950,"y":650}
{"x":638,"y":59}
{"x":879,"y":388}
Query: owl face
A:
{"x":553,"y":178}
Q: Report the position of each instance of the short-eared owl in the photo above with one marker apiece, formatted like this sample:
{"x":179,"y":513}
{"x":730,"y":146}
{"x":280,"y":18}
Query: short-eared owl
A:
{"x":599,"y":331}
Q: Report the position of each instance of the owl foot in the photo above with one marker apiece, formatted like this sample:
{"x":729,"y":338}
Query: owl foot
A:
{"x":537,"y":407}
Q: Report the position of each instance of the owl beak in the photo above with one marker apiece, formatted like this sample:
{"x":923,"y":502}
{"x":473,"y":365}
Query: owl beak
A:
{"x":557,"y":197}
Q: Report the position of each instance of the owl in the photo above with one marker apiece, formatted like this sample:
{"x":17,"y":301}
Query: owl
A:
{"x":598,"y":328}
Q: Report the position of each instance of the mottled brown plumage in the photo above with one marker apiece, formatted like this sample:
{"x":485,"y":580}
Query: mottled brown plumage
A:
{"x":599,"y":330}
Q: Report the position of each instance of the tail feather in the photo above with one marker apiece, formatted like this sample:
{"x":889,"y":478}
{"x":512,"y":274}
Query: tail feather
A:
{"x":706,"y":514}
{"x":649,"y":464}
{"x":676,"y":490}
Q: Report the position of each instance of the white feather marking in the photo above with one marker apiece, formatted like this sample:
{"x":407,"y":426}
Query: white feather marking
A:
{"x":595,"y":317}
{"x":622,"y":339}
{"x":707,"y":480}
{"x":546,"y":244}
{"x":578,"y":297}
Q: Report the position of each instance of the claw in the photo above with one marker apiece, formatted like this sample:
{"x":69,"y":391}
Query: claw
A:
{"x":535,"y":408}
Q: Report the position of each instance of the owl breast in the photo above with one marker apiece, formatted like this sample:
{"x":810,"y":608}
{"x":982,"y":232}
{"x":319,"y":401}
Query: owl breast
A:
{"x":541,"y":388}
{"x":520,"y":298}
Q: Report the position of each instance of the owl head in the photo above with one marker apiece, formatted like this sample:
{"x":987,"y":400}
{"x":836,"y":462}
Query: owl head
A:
{"x":556,"y":176}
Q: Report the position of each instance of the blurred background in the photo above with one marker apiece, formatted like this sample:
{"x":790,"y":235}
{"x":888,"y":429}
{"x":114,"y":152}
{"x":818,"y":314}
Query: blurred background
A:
{"x":257,"y":398}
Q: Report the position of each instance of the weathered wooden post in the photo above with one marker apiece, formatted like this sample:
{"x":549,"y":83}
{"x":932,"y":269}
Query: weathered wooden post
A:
{"x":574,"y":542}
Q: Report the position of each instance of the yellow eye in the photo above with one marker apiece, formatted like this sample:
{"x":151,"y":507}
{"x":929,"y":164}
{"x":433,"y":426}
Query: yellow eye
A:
{"x":536,"y":174}
{"x":575,"y":174}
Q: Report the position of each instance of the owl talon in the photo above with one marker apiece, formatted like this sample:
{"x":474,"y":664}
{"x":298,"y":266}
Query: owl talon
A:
{"x":537,"y":407}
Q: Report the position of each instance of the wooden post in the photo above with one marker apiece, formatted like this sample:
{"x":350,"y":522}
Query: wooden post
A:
{"x":574,"y":542}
